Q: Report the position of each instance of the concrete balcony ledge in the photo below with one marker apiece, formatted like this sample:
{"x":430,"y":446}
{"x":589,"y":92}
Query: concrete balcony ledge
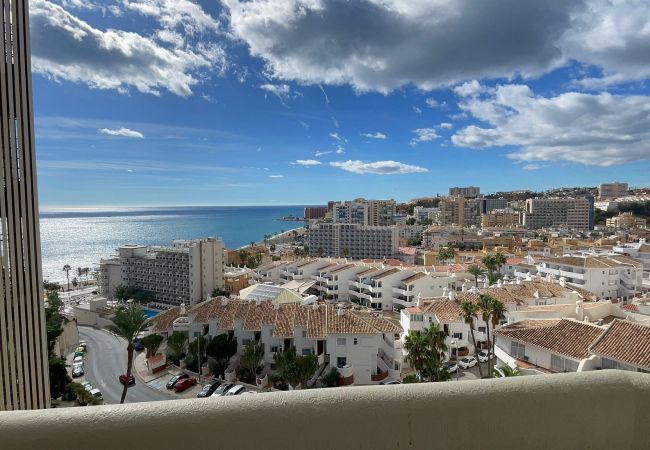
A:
{"x":600,"y":409}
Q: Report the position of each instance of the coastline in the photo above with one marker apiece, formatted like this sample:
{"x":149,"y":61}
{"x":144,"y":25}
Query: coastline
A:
{"x":278,"y":238}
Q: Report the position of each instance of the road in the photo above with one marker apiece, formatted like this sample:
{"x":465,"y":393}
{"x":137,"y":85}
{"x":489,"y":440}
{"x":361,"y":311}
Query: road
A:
{"x":105,"y":361}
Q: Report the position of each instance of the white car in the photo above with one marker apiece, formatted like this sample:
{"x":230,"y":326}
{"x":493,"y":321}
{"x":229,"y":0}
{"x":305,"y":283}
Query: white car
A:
{"x":236,"y":390}
{"x":467,"y":362}
{"x":78,"y":359}
{"x":450,"y":366}
{"x":484,"y":356}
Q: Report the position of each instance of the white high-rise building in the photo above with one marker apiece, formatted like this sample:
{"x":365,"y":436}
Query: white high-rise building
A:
{"x":352,"y":241}
{"x":185,"y":272}
{"x":350,"y":212}
{"x":572,"y":213}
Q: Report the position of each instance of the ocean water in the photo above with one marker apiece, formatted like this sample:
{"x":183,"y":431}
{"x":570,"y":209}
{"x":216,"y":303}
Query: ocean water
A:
{"x":82,"y":237}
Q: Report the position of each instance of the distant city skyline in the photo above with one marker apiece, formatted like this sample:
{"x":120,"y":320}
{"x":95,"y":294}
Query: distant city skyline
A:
{"x":228,"y":103}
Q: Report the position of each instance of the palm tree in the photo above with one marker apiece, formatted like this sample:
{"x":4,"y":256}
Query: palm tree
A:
{"x":416,"y":345}
{"x":436,"y":340}
{"x":80,"y":273}
{"x":498,"y":314}
{"x":67,"y":270}
{"x":477,"y":271}
{"x":468,"y":312}
{"x":176,"y":345}
{"x":506,"y":371}
{"x":485,"y":302}
{"x":252,"y":358}
{"x":490,"y":262}
{"x":75,"y":282}
{"x":500,"y":259}
{"x":128,"y":323}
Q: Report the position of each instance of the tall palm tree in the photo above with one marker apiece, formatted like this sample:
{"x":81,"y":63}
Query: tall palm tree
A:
{"x":436,"y":340}
{"x":252,"y":358}
{"x":485,"y":302}
{"x":468,"y":312}
{"x":500,"y":259}
{"x":67,"y":270}
{"x":416,"y":345}
{"x":476,"y":271}
{"x":490,"y":262}
{"x":80,"y":272}
{"x":128,"y":323}
{"x":498,"y":314}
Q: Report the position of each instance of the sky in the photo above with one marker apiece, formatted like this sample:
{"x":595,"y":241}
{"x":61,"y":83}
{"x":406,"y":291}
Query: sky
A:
{"x":174,"y":102}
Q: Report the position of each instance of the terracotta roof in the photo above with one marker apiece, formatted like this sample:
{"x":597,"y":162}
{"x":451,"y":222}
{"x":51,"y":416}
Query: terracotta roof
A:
{"x":521,"y":294}
{"x":384,"y":274}
{"x":631,"y":307}
{"x":414,"y":310}
{"x":414,"y":277}
{"x":591,"y":262}
{"x":563,"y":336}
{"x":625,"y":341}
{"x":163,"y":320}
{"x":344,"y":267}
{"x":446,"y":311}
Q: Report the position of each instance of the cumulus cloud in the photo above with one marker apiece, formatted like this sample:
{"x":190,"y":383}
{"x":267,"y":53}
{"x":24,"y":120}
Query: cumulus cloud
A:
{"x":124,"y":132}
{"x":593,"y":129}
{"x":469,"y":89}
{"x":374,"y":135}
{"x":173,"y":14}
{"x":64,"y":47}
{"x":377,"y":167}
{"x":445,"y":126}
{"x":307,"y":162}
{"x":381,"y":45}
{"x":424,"y":135}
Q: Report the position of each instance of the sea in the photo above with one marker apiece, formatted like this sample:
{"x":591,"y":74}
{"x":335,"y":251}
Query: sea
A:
{"x":81,"y":237}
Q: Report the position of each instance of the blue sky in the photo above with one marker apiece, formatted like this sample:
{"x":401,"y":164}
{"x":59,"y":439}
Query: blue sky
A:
{"x":169,"y":102}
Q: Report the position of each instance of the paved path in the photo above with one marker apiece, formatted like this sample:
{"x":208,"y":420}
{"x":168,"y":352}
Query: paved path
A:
{"x":105,"y":361}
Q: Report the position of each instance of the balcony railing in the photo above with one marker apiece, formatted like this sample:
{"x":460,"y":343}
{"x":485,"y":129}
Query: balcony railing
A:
{"x":576,"y":401}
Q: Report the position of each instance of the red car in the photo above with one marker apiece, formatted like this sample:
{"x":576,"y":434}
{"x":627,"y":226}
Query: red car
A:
{"x":186,"y":383}
{"x":123,"y":379}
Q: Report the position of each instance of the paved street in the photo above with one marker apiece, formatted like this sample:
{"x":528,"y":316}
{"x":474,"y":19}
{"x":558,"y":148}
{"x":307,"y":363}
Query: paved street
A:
{"x":105,"y":361}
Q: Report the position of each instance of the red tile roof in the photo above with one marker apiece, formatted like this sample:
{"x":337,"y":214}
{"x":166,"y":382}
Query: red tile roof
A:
{"x":625,"y":341}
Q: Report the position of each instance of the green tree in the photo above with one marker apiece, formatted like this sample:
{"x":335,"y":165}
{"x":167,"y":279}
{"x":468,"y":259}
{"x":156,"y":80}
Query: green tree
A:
{"x":53,"y":319}
{"x":272,"y":247}
{"x":416,"y":345}
{"x":219,"y":350}
{"x":67,"y":270}
{"x":218,"y":292}
{"x":331,"y":379}
{"x":498,"y":310}
{"x":176,"y":346}
{"x":75,"y":282}
{"x":410,"y":221}
{"x":50,"y":287}
{"x":476,"y":271}
{"x":445,"y":254}
{"x":294,"y":369}
{"x":128,"y":323}
{"x":121,"y":292}
{"x":59,"y":378}
{"x":485,"y":303}
{"x":196,"y":351}
{"x":152,"y":343}
{"x":243,"y":256}
{"x":252,"y":358}
{"x":506,"y":371}
{"x":500,"y":259}
{"x":469,"y":312}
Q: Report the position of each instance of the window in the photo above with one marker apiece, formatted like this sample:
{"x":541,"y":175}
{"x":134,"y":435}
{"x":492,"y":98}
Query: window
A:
{"x":245,"y":342}
{"x":481,"y":329}
{"x":341,"y":361}
{"x":457,"y":335}
{"x":274,"y":349}
{"x":356,"y":341}
{"x":304,"y":334}
{"x":417,"y":318}
{"x":307,"y":352}
{"x":517,"y":350}
{"x":340,"y":342}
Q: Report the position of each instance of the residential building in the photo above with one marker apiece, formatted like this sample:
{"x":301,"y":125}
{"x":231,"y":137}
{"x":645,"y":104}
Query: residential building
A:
{"x":421,"y":214}
{"x":269,"y":272}
{"x":352,"y":241}
{"x":571,"y":213}
{"x":380,"y":212}
{"x":351,"y":212}
{"x":460,"y":211}
{"x":409,"y":232}
{"x":607,"y":276}
{"x":490,"y":204}
{"x":185,"y":272}
{"x":623,"y":346}
{"x":24,"y":379}
{"x":612,"y":190}
{"x":626,"y":220}
{"x":467,"y":192}
{"x":637,"y":250}
{"x":359,"y":343}
{"x":302,"y":269}
{"x":235,"y":279}
{"x":315,"y":212}
{"x":500,"y":218}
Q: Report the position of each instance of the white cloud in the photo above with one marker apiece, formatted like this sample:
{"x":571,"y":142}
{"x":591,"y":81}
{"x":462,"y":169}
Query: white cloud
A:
{"x":339,"y":150}
{"x":305,"y":125}
{"x":307,"y":162}
{"x":338,"y":138}
{"x":317,"y":154}
{"x":424,"y":135}
{"x":276,"y":176}
{"x":432,"y":102}
{"x":446,"y":126}
{"x":417,"y":110}
{"x":377,"y":135}
{"x":282,"y":91}
{"x":532,"y":167}
{"x":469,"y":89}
{"x":124,"y":132}
{"x":335,"y":122}
{"x":175,"y":14}
{"x":64,"y":47}
{"x":377,"y":167}
{"x":592,"y":129}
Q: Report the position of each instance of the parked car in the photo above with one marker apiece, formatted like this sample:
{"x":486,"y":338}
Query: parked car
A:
{"x":87,"y":386}
{"x":123,"y":379}
{"x":97,"y":393}
{"x":391,"y":382}
{"x":485,"y":355}
{"x":78,"y":359}
{"x":77,"y":371}
{"x":175,"y":379}
{"x":222,"y":390}
{"x":81,"y":349}
{"x":236,"y":390}
{"x":209,"y":389}
{"x":184,"y":384}
{"x":450,"y":366}
{"x":467,"y":362}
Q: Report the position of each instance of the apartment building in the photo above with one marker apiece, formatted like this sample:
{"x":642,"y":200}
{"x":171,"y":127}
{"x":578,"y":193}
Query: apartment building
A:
{"x":572,"y":213}
{"x":637,"y":250}
{"x":421,"y":213}
{"x":408,"y":232}
{"x":352,"y":241}
{"x":612,"y":190}
{"x":460,"y":211}
{"x":626,"y":220}
{"x":24,"y":380}
{"x":315,"y":212}
{"x":351,"y":212}
{"x":359,"y":343}
{"x":185,"y":272}
{"x":269,"y":272}
{"x":607,"y":276}
{"x":500,"y":218}
{"x":467,"y":192}
{"x":380,"y":212}
{"x":490,"y":204}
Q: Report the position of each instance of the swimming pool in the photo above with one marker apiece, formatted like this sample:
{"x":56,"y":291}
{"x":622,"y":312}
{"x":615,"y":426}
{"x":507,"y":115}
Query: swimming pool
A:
{"x":150,"y":313}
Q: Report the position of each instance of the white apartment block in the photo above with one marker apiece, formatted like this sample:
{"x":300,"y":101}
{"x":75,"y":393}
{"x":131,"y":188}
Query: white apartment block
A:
{"x":269,"y":272}
{"x":637,"y":250}
{"x":572,"y":213}
{"x":352,"y":241}
{"x":359,"y":343}
{"x":351,"y":212}
{"x":421,"y":213}
{"x":607,"y":276}
{"x":467,"y":192}
{"x":411,"y":231}
{"x":186,"y":272}
{"x":612,"y":190}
